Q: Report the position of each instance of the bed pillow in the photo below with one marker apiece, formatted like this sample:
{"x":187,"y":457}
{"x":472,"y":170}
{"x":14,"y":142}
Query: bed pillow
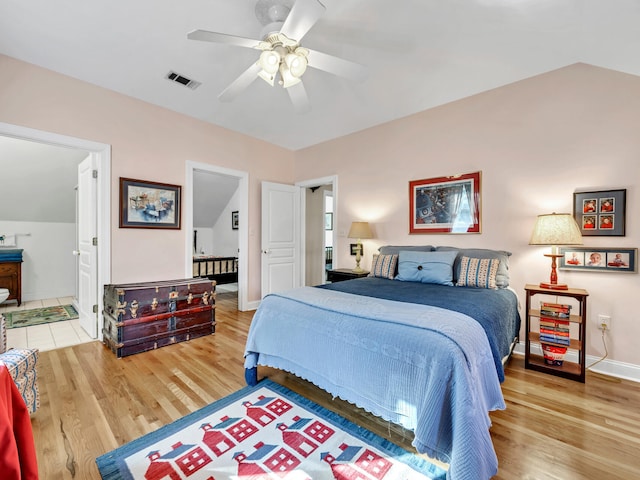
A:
{"x":395,"y":249}
{"x":384,"y":266}
{"x":426,"y":267}
{"x":478,"y":272}
{"x":502,"y":276}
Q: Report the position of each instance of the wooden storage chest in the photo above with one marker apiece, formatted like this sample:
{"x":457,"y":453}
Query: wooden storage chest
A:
{"x":144,"y":316}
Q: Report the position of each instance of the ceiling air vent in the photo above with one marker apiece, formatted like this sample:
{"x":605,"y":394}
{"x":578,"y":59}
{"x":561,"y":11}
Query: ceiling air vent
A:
{"x":187,"y":82}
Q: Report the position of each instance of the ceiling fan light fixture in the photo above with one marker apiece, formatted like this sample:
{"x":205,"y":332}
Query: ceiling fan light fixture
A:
{"x":287,"y":79}
{"x":270,"y":78}
{"x":269,"y":61}
{"x":296,"y":63}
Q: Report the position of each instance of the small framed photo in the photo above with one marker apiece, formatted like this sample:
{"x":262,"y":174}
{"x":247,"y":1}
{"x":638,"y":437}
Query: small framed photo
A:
{"x":445,"y":204}
{"x":599,"y":259}
{"x":328,"y":221}
{"x":354,"y":249}
{"x":234,"y":220}
{"x":600,"y":213}
{"x":145,"y":204}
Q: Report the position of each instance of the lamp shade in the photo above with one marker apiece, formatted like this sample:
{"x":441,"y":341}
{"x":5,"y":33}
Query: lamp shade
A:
{"x":556,"y":229}
{"x":360,"y":230}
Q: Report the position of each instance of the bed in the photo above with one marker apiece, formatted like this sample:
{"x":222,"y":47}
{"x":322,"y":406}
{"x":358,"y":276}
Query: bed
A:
{"x":420,"y":343}
{"x":221,"y":269}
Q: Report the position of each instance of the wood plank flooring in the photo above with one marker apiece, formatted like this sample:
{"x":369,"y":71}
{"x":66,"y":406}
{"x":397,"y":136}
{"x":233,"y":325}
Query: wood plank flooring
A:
{"x":93,"y":402}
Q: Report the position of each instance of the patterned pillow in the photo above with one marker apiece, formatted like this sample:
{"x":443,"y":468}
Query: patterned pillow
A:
{"x":384,"y":266}
{"x":478,"y":272}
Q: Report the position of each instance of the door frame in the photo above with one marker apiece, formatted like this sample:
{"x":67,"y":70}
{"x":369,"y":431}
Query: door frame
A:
{"x":243,"y":228}
{"x":102,"y":154}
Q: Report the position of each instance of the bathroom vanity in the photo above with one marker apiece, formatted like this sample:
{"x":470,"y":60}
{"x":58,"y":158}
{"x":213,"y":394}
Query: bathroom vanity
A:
{"x":11,"y":272}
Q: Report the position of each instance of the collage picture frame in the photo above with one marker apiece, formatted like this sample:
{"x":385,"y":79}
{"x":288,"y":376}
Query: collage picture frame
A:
{"x":600,"y":213}
{"x":599,"y":259}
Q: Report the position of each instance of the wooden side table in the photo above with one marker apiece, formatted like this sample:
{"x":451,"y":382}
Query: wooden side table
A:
{"x":342,"y":274}
{"x":11,"y":278}
{"x":570,"y":370}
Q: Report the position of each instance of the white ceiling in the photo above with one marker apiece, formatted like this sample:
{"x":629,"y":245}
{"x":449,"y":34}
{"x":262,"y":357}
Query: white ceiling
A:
{"x":420,"y":54}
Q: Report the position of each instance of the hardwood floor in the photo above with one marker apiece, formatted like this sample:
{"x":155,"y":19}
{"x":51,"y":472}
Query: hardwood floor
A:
{"x":93,"y":402}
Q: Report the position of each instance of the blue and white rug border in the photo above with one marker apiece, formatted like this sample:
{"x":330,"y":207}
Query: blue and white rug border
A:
{"x":109,"y":463}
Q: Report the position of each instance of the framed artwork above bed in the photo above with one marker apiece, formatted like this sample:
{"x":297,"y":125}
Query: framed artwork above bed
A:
{"x":445,"y":204}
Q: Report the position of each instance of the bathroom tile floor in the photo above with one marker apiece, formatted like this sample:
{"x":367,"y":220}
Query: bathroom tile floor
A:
{"x":48,"y":336}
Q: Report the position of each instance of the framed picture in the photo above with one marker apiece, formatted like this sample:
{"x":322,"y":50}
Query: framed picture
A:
{"x":234,"y":220}
{"x":599,"y":259}
{"x":445,"y":204}
{"x":145,"y":204}
{"x":328,"y":221}
{"x":600,"y":213}
{"x":354,"y":249}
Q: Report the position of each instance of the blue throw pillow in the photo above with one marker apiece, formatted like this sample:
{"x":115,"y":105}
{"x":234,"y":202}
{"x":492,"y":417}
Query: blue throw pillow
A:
{"x":426,"y":267}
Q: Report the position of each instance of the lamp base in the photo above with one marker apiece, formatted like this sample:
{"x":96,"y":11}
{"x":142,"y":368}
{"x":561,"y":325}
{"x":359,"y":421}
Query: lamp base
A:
{"x":358,"y":269}
{"x":554,"y":286}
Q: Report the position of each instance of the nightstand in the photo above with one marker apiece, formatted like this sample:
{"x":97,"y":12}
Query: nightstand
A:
{"x":342,"y":274}
{"x":577,"y":340}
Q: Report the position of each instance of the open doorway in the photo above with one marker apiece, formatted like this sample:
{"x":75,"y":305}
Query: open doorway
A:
{"x":217,"y":237}
{"x":319,"y":228}
{"x":39,"y":239}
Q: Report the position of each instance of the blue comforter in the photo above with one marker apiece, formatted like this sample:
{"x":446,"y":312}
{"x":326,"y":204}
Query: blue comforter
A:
{"x":495,"y":310}
{"x":428,"y":369}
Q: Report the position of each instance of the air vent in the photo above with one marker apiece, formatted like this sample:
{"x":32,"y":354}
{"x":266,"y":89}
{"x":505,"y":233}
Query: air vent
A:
{"x":182,"y":80}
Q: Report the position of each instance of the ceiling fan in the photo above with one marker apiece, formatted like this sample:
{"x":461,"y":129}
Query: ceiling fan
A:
{"x":283,"y":59}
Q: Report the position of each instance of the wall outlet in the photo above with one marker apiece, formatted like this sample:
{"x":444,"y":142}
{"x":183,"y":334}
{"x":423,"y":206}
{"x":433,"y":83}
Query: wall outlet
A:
{"x":604,"y":322}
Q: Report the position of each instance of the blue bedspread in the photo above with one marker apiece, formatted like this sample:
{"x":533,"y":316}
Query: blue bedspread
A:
{"x":428,"y":369}
{"x":495,"y":310}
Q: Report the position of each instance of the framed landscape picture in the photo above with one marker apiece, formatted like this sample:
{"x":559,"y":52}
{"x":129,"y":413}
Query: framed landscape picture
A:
{"x":445,"y":204}
{"x":600,"y":213}
{"x":145,"y":204}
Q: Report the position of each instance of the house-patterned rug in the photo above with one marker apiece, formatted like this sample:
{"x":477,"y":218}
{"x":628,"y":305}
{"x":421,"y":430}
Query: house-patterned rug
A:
{"x":37,"y":316}
{"x":264,"y":432}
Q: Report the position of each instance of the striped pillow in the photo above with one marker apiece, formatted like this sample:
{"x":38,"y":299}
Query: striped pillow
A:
{"x":384,"y":266}
{"x":478,"y":272}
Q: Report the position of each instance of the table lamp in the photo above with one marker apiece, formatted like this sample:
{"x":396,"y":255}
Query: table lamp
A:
{"x":359,"y":230}
{"x":555,"y":229}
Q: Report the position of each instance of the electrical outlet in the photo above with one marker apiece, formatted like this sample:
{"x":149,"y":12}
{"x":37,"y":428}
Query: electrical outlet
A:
{"x":604,"y":322}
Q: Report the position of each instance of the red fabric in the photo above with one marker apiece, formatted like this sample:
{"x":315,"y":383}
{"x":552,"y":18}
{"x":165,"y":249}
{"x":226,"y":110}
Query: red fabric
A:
{"x":17,"y":450}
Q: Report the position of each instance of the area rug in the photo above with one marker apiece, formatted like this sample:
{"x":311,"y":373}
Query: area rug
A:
{"x":264,"y":432}
{"x":37,"y":316}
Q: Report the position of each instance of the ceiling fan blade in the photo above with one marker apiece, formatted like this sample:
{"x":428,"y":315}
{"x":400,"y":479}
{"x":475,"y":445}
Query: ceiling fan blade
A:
{"x":216,"y":37}
{"x":240,"y":84}
{"x":303,"y":15}
{"x":337,"y":66}
{"x":298,"y":96}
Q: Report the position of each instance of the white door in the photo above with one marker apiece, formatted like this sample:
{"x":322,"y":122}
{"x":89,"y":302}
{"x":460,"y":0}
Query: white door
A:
{"x":87,"y":251}
{"x":280,"y":237}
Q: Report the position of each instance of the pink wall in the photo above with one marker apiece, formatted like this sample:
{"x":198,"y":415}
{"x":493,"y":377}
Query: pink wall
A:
{"x":536,"y":142}
{"x":147,"y":142}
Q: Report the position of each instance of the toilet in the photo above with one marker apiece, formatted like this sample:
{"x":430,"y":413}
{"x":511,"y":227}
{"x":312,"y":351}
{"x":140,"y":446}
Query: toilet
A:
{"x":4,"y":294}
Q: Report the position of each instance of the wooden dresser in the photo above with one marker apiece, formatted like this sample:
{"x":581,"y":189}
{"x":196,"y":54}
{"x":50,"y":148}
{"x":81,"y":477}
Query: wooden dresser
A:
{"x":11,"y":273}
{"x":144,"y":316}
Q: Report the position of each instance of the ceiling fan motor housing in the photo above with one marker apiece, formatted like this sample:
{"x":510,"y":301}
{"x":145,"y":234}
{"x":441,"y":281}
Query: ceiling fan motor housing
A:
{"x":272,"y":14}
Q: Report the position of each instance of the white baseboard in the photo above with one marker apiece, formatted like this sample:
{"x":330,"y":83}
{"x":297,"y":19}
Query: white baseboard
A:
{"x":628,"y":371}
{"x":254,"y":306}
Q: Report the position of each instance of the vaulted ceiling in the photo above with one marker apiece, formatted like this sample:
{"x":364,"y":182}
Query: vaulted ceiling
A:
{"x":418,"y":53}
